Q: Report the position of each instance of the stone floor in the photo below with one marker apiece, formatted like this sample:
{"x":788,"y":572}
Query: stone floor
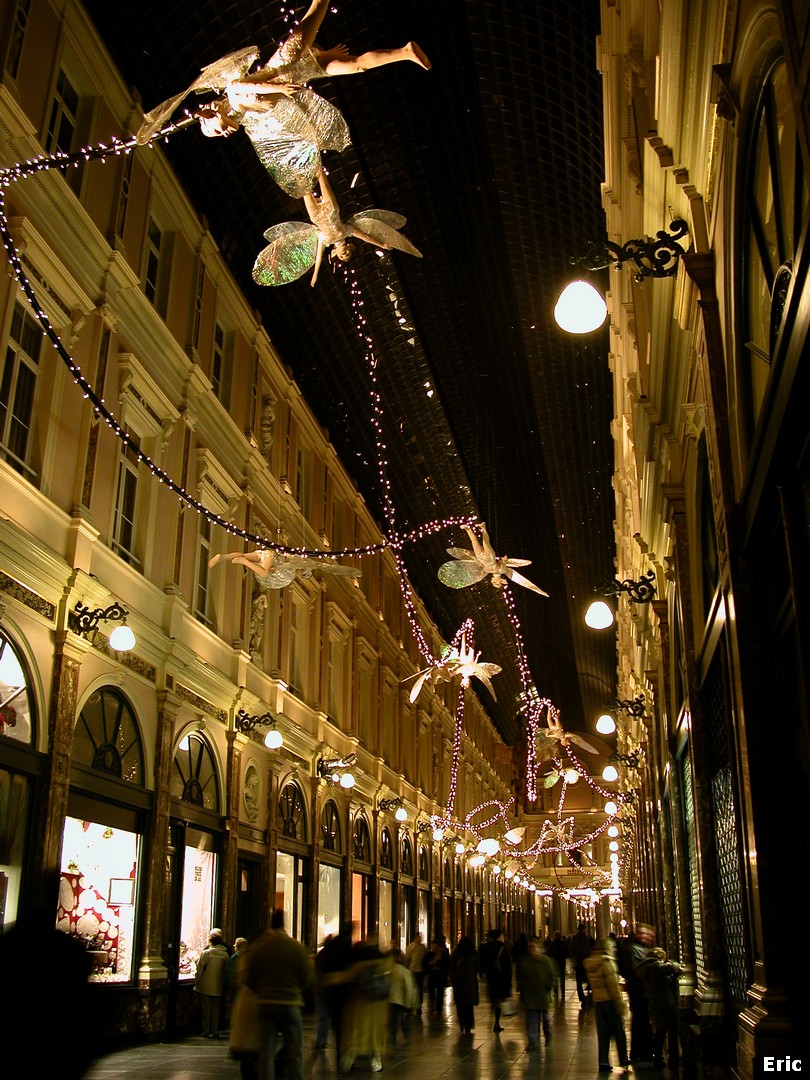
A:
{"x":435,"y":1051}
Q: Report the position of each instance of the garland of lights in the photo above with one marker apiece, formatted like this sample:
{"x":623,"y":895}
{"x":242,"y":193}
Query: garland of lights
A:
{"x":61,"y":160}
{"x":553,"y":838}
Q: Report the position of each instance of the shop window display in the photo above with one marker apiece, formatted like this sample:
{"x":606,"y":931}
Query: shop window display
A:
{"x":199,"y":891}
{"x":16,"y":721}
{"x":328,"y":902}
{"x":97,"y":891}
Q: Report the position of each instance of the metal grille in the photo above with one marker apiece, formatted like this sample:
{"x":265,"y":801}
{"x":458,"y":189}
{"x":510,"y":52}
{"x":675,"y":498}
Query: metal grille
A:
{"x":732,"y":916}
{"x":676,"y":890}
{"x":691,"y":846}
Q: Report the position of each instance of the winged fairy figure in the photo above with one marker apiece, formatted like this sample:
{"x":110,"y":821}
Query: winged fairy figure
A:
{"x":468,"y":567}
{"x":463,"y":661}
{"x":275,"y":569}
{"x":553,"y":741}
{"x":296,"y":246}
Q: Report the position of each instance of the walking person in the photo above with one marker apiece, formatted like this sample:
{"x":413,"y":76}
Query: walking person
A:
{"x":278,"y":970}
{"x":464,"y":980}
{"x":403,"y":997}
{"x":437,"y":966}
{"x":496,"y":962}
{"x":558,"y":951}
{"x":608,"y":1002}
{"x":635,"y":951}
{"x":579,"y":948}
{"x":209,"y":982}
{"x":415,"y":958}
{"x":536,"y":976}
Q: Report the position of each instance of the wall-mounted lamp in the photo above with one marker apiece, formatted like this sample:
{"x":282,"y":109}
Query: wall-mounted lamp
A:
{"x":633,"y":707}
{"x":599,"y":615}
{"x":84,"y":620}
{"x":581,"y":308}
{"x":337,"y":770}
{"x":630,"y":760}
{"x":390,"y":804}
{"x":273,"y":740}
{"x":423,"y":826}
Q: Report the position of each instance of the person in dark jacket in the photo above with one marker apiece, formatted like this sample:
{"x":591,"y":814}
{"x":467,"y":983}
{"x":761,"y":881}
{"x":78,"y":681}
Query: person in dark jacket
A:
{"x":437,"y":966}
{"x":634,"y":951}
{"x":335,"y":957}
{"x":660,"y":979}
{"x":536,"y":976}
{"x":496,"y":963}
{"x":558,"y":951}
{"x":579,"y":949}
{"x":464,"y":980}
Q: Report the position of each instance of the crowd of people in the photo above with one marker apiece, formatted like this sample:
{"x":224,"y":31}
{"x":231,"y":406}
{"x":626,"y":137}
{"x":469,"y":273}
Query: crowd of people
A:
{"x":365,"y":993}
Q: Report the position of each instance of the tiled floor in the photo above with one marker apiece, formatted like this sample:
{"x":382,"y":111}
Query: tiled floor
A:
{"x":435,"y":1051}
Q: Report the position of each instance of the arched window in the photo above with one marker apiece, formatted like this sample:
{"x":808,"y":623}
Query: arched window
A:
{"x":330,"y":827}
{"x":406,"y":864}
{"x":107,"y":737}
{"x":16,"y":699}
{"x":362,"y":840}
{"x":291,"y":812}
{"x":194,"y":776}
{"x":775,"y":208}
{"x":424,"y":865}
{"x":386,"y":850}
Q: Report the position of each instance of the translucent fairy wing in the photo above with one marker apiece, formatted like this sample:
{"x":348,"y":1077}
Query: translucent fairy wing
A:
{"x":518,"y":562}
{"x":484,"y":678}
{"x":290,"y":253}
{"x":490,"y":669}
{"x":551,"y":780}
{"x":519,"y":579}
{"x":215,"y":76}
{"x":330,"y":567}
{"x":417,"y":686}
{"x":582,"y":743}
{"x":459,"y":574}
{"x":461,"y":553}
{"x":379,"y":226}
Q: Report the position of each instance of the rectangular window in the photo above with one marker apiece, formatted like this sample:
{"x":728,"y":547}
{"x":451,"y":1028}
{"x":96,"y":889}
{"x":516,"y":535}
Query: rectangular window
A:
{"x":201,"y":593}
{"x":125,"y":502}
{"x":199,"y":892}
{"x":63,"y":119}
{"x":153,"y":243}
{"x":218,"y":361}
{"x":18,"y":387}
{"x":18,"y":36}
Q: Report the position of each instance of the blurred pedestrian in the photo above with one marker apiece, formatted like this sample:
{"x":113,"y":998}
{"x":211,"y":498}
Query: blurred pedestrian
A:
{"x":496,"y":962}
{"x":558,"y":951}
{"x":277,"y":968}
{"x":536,"y":977}
{"x":364,"y":1025}
{"x":608,"y":1001}
{"x":437,"y":967}
{"x":464,"y":980}
{"x":660,"y":978}
{"x":415,"y":955}
{"x":579,"y":949}
{"x":403,"y":998}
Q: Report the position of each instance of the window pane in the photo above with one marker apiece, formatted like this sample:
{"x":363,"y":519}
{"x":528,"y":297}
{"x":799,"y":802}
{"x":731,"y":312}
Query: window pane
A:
{"x":14,"y":804}
{"x":16,"y":721}
{"x":197,"y":919}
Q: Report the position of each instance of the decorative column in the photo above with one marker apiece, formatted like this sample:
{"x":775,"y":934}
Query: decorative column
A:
{"x":230,"y":856}
{"x":152,"y":970}
{"x":314,"y":865}
{"x":268,"y":893}
{"x":56,"y":784}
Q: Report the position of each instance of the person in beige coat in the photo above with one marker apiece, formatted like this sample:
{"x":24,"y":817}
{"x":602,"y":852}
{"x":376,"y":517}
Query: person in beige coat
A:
{"x":608,"y":1003}
{"x":209,"y":982}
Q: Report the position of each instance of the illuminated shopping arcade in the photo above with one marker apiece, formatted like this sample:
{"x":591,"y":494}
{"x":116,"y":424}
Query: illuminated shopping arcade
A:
{"x":297,"y":576}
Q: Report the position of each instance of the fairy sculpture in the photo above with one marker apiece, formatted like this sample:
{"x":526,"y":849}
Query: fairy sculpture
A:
{"x":468,"y":567}
{"x":295,"y":246}
{"x":288,"y":124}
{"x":275,"y":569}
{"x":462,"y":661}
